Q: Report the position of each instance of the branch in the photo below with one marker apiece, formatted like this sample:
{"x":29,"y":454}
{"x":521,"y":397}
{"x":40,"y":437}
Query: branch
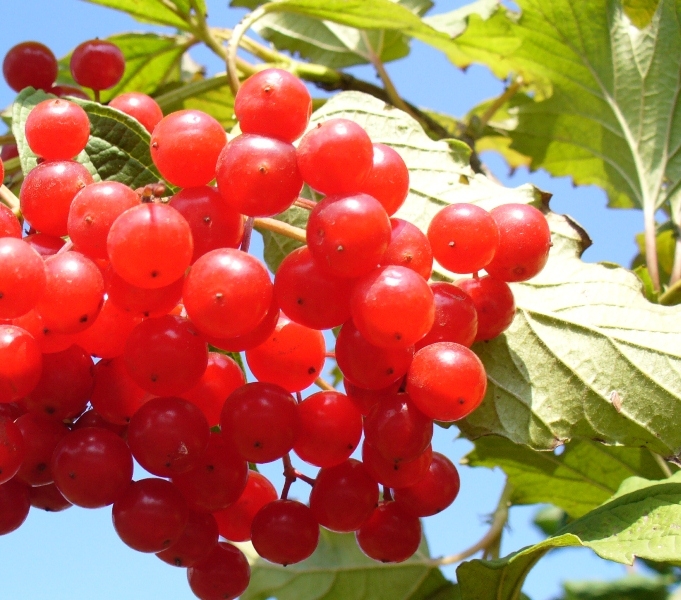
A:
{"x":239,"y":31}
{"x":651,"y":244}
{"x":324,"y":385}
{"x":493,"y":534}
{"x":10,"y":200}
{"x":492,"y":109}
{"x":295,"y":233}
{"x":662,"y":464}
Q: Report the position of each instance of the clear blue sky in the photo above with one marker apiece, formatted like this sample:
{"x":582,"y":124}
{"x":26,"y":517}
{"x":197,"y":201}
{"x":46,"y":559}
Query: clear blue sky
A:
{"x":76,"y":555}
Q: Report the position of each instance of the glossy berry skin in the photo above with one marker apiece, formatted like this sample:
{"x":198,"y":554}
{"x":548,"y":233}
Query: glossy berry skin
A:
{"x":435,"y":492}
{"x":234,"y":522}
{"x":64,"y":91}
{"x":258,"y":176}
{"x":223,"y":575}
{"x":97,"y":64}
{"x":65,"y":384}
{"x":92,"y":467}
{"x":330,"y":429}
{"x":29,"y":64}
{"x":139,"y":106}
{"x":115,"y":395}
{"x":12,"y":449}
{"x":49,"y":212}
{"x":253,"y":338}
{"x":107,"y":335}
{"x":183,"y":134}
{"x":22,"y":278}
{"x":318,"y":153}
{"x":368,"y":366}
{"x":9,"y":224}
{"x":409,"y":248}
{"x":392,"y":307}
{"x":221,"y":377}
{"x":388,"y":179}
{"x":292,"y":357}
{"x":390,"y":535}
{"x":343,"y":496}
{"x":213,"y":224}
{"x":150,"y":245}
{"x":168,"y":435}
{"x":48,"y":340}
{"x":57,"y":129}
{"x":150,"y":515}
{"x":143,"y":302}
{"x":92,"y":213}
{"x":74,"y":293}
{"x":456,"y":318}
{"x":227,"y":293}
{"x":44,"y":244}
{"x":91,"y":418}
{"x":218,"y":479}
{"x":365,"y":399}
{"x":273,"y":103}
{"x":14,"y":505}
{"x":446,"y":381}
{"x":41,"y":435}
{"x":464,"y":237}
{"x":494,"y":305}
{"x":347,"y":235}
{"x":165,"y":356}
{"x":395,"y":474}
{"x":310,"y":296}
{"x":197,"y":541}
{"x":285,"y":532}
{"x":524,"y":242}
{"x":397,"y":429}
{"x":21,"y":363}
{"x":262,"y":421}
{"x":48,"y":498}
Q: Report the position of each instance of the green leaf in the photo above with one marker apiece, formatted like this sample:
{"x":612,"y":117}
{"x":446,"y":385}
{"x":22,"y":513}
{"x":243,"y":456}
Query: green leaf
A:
{"x":174,"y":13}
{"x":151,"y":60}
{"x":550,"y":519}
{"x":454,"y":23}
{"x":641,"y":520}
{"x":118,"y":148}
{"x":608,"y":111}
{"x":212,"y":96}
{"x":578,"y":480}
{"x":339,"y":570}
{"x":666,"y":248}
{"x":331,"y":44}
{"x":640,"y":12}
{"x":631,"y":587}
{"x":277,"y":247}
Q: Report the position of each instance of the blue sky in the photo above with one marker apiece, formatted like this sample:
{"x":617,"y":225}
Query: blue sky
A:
{"x":76,"y":555}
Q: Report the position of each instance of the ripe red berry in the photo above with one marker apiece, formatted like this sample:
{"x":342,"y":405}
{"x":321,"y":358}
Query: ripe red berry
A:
{"x":319,"y":151}
{"x":185,"y":146}
{"x":9,"y":224}
{"x":57,"y":129}
{"x":456,"y":318}
{"x":22,"y":277}
{"x":273,"y":103}
{"x":14,"y":505}
{"x":223,"y":575}
{"x":197,"y":541}
{"x":29,"y":64}
{"x":494,"y":305}
{"x":388,"y":179}
{"x":285,"y":532}
{"x":446,"y":381}
{"x":97,"y":64}
{"x":48,"y":498}
{"x":21,"y":363}
{"x":12,"y":449}
{"x":139,"y":106}
{"x":409,"y":248}
{"x":524,"y":242}
{"x":390,"y":534}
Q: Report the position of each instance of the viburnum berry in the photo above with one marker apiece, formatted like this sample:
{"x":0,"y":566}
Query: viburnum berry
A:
{"x":262,"y":421}
{"x":494,"y":305}
{"x":48,"y":498}
{"x":199,"y":537}
{"x":388,"y":179}
{"x":409,"y":248}
{"x":524,"y":242}
{"x":12,"y":449}
{"x":273,"y":103}
{"x":185,"y":146}
{"x":9,"y":224}
{"x":139,"y":106}
{"x":107,"y":335}
{"x":29,"y":64}
{"x":115,"y":395}
{"x":285,"y":532}
{"x":253,"y":338}
{"x":395,"y":474}
{"x":456,"y":316}
{"x":97,"y":64}
{"x":57,"y":129}
{"x":223,"y":575}
{"x":22,"y":277}
{"x":319,"y":151}
{"x":143,"y":302}
{"x":446,"y":381}
{"x":21,"y":363}
{"x":390,"y":534}
{"x":14,"y":505}
{"x":234,"y":522}
{"x":43,"y":243}
{"x":41,"y":435}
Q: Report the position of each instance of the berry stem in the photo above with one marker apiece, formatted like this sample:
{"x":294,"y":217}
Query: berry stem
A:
{"x":493,"y":535}
{"x":248,"y":233}
{"x":650,"y":227}
{"x":327,"y":387}
{"x":662,"y":463}
{"x":8,"y":198}
{"x":275,"y":226}
{"x":239,"y":31}
{"x":492,"y":109}
{"x":305,"y":203}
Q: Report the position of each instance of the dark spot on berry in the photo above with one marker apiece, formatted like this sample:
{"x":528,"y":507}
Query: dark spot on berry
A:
{"x":166,"y":543}
{"x":40,"y":467}
{"x":72,"y":475}
{"x":398,"y":336}
{"x":300,"y":301}
{"x":312,"y":370}
{"x":408,"y":258}
{"x":145,"y":313}
{"x":519,"y":270}
{"x":462,"y":401}
{"x":257,"y":445}
{"x":178,"y":562}
{"x":49,"y":410}
{"x":89,"y":220}
{"x":389,"y":371}
{"x":167,"y":465}
{"x":154,"y":274}
{"x":2,"y":295}
{"x":267,"y":89}
{"x":351,"y":446}
{"x":83,"y":319}
{"x":206,"y":219}
{"x":262,"y":169}
{"x":210,"y":468}
{"x":154,"y":378}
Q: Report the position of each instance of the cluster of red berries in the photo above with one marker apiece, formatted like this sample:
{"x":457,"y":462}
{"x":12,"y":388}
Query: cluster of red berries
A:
{"x":145,"y":284}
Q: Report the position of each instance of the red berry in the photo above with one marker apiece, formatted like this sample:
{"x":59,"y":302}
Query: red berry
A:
{"x":223,"y":575}
{"x":494,"y":305}
{"x":388,"y":179}
{"x":97,"y":64}
{"x":29,"y":64}
{"x":14,"y":505}
{"x":197,"y":541}
{"x":390,"y":534}
{"x":139,"y":106}
{"x":21,"y":363}
{"x":57,"y":129}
